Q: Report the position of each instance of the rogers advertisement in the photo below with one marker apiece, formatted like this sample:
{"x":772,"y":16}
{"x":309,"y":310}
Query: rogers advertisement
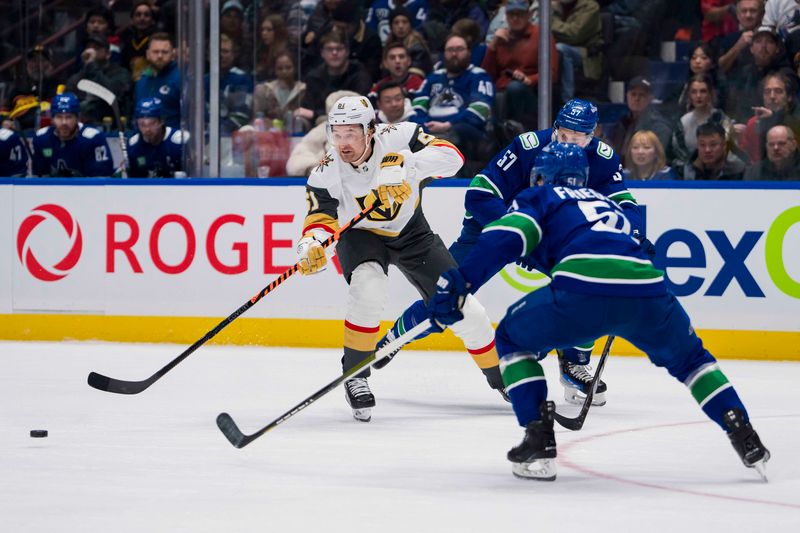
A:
{"x":202,"y":249}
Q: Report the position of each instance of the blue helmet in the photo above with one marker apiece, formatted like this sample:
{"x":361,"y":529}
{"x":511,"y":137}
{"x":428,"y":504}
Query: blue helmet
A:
{"x":65,"y":103}
{"x":577,"y":115}
{"x":149,"y":108}
{"x":562,"y":164}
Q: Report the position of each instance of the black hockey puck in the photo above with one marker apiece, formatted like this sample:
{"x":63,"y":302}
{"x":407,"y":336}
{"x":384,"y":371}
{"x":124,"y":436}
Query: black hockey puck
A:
{"x":38,"y":433}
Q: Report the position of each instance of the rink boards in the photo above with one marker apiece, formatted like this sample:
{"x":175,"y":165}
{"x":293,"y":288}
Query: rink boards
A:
{"x":165,"y":260}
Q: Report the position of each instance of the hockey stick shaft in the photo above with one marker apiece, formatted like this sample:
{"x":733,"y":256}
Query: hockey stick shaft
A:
{"x":105,"y":383}
{"x":575,"y":424}
{"x":232,"y":432}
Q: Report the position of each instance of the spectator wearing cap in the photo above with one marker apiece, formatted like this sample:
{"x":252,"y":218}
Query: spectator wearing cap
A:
{"x":393,"y":103}
{"x":783,"y":159}
{"x":363,"y":42}
{"x":22,"y":107}
{"x":402,"y":31}
{"x":100,"y":21}
{"x":235,"y":88}
{"x":718,"y":19}
{"x":768,"y":56}
{"x":713,"y":160}
{"x":641,"y":115}
{"x":735,"y":47}
{"x":68,"y":148}
{"x":779,"y":107}
{"x":232,"y":24}
{"x":397,"y":63}
{"x":702,"y":108}
{"x":156,"y":151}
{"x":97,"y":67}
{"x":162,"y":79}
{"x":577,"y":29}
{"x":512,"y":60}
{"x":380,"y":10}
{"x":134,"y":40}
{"x":13,"y":154}
{"x":337,"y":72}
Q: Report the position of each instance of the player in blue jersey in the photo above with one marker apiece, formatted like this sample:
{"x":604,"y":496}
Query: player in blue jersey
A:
{"x":492,"y":192}
{"x":13,"y":155}
{"x":603,"y":284}
{"x":157,"y":150}
{"x":69,"y":148}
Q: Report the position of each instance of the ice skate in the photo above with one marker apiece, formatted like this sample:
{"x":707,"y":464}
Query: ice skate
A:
{"x":746,"y":442}
{"x":535,"y":457}
{"x":360,"y":398}
{"x":577,"y":380}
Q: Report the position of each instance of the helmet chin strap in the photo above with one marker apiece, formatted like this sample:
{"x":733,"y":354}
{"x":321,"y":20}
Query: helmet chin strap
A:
{"x":363,"y":157}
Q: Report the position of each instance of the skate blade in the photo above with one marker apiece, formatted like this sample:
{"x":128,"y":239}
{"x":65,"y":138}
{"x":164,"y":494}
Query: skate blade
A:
{"x":574,"y":397}
{"x":538,"y":470}
{"x":761,"y":468}
{"x":363,"y":415}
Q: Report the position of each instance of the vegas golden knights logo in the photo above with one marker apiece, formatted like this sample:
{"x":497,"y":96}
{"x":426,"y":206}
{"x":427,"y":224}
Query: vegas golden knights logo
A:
{"x":381,"y":214}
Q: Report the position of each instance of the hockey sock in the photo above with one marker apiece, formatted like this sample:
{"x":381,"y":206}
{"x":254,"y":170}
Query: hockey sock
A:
{"x":413,"y":315}
{"x":578,"y":355}
{"x":525,"y":385}
{"x":359,"y":343}
{"x":714,"y":393}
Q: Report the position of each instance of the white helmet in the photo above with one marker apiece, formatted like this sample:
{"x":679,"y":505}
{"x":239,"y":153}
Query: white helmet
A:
{"x":352,"y":110}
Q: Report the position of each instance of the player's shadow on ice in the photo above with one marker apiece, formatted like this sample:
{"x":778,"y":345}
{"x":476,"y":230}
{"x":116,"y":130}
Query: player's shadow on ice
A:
{"x":492,"y":407}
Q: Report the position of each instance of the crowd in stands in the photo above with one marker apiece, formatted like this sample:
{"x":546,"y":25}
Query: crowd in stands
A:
{"x":724,"y":108}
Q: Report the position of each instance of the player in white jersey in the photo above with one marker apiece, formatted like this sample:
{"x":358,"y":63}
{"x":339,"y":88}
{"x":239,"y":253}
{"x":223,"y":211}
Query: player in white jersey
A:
{"x":392,"y":162}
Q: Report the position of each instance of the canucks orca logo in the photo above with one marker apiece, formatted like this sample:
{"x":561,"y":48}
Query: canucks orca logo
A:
{"x":381,"y":214}
{"x":445,"y":101}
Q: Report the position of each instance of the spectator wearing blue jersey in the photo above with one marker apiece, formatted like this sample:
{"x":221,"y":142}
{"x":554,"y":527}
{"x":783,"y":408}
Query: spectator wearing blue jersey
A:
{"x":455,"y":102}
{"x":379,"y":14}
{"x":580,"y":237}
{"x":162,"y":79}
{"x":235,"y":88}
{"x":156,"y":151}
{"x":69,"y":148}
{"x":13,"y":154}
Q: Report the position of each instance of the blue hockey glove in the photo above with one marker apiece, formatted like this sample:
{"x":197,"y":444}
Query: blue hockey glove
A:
{"x":445,"y":305}
{"x":647,"y":246}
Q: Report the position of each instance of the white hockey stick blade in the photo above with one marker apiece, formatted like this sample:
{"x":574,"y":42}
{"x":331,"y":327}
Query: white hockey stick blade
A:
{"x":95,"y":89}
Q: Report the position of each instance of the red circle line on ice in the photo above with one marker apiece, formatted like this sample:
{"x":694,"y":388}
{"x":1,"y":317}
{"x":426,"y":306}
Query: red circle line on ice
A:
{"x":564,"y":460}
{"x":26,"y":255}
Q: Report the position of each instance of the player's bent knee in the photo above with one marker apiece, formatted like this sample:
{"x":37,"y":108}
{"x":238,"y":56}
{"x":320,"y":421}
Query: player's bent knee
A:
{"x":475,"y":328}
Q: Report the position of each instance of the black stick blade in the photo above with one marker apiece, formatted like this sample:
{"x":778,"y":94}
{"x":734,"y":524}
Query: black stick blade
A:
{"x":107,"y":384}
{"x":231,"y":431}
{"x":572,"y":424}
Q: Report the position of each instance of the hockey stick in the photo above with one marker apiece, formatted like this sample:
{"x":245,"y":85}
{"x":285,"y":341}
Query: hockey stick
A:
{"x":232,"y":432}
{"x":118,"y":386}
{"x":574,"y":424}
{"x":95,"y":89}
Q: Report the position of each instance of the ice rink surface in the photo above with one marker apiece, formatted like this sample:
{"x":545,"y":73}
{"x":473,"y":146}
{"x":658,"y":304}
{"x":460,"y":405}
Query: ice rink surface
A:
{"x":432,"y":459}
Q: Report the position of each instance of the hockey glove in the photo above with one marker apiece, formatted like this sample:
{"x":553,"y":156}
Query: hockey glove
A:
{"x":647,"y":246}
{"x":445,"y":305}
{"x":311,"y":255}
{"x":527,"y":263}
{"x":392,"y":182}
